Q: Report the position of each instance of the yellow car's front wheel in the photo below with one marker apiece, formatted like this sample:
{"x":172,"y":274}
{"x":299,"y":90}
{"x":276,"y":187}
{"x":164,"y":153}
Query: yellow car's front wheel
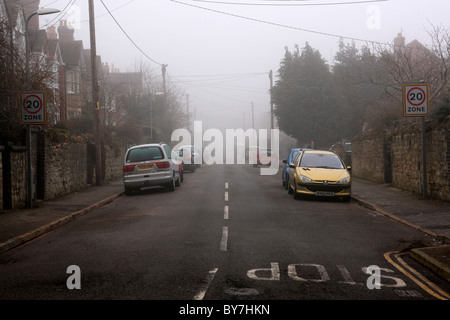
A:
{"x":296,"y":194}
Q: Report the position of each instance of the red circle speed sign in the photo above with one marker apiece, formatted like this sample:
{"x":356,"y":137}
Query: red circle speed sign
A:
{"x":415,"y":99}
{"x":32,"y":104}
{"x":416,"y":96}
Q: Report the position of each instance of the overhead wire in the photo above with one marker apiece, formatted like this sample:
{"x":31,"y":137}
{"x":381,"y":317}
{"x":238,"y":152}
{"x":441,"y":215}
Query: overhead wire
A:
{"x":289,"y":4}
{"x":126,"y":34}
{"x":62,"y":13}
{"x":201,"y":88}
{"x":279,"y":24}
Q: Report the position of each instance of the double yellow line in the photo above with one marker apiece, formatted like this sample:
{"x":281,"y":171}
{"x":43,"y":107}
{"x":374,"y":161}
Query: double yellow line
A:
{"x":415,"y":276}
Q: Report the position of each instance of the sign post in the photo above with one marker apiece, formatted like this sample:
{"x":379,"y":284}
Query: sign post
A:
{"x":33,"y":110}
{"x":416,"y":104}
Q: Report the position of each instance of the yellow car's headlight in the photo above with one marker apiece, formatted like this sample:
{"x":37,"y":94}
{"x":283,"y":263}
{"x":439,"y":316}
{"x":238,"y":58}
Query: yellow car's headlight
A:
{"x":305,"y":178}
{"x":344,"y":181}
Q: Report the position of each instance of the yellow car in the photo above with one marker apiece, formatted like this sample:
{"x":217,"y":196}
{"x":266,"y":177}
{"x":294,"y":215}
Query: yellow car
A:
{"x":319,"y":173}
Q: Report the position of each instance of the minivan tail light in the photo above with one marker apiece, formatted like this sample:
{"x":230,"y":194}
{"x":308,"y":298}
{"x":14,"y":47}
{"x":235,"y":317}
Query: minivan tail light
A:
{"x":163,"y":164}
{"x":128,"y":167}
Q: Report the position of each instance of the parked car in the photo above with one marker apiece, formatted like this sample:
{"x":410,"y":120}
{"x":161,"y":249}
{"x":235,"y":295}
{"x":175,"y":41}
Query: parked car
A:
{"x":252,"y":152}
{"x":151,"y":165}
{"x":265,"y":156}
{"x":190,"y":156}
{"x":319,"y":173}
{"x":286,"y":162}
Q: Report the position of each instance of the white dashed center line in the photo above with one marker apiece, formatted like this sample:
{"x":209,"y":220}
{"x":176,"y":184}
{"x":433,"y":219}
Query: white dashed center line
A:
{"x":225,"y":213}
{"x":224,"y":241}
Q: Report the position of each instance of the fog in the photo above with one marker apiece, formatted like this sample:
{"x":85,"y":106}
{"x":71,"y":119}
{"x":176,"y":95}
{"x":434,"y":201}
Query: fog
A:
{"x":220,"y":52}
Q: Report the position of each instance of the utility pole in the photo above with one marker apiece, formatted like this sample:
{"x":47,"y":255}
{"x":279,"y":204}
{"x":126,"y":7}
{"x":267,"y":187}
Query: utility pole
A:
{"x":164,"y":66}
{"x":187,"y":111}
{"x":253,"y":123}
{"x":253,"y":118}
{"x":271,"y":100}
{"x":95,"y":102}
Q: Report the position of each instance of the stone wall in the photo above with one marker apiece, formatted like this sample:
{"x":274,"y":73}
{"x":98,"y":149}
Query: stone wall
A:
{"x":368,"y":158}
{"x":395,"y":156}
{"x":62,"y":164}
{"x":114,"y":155}
{"x":19,"y":179}
{"x":65,"y":168}
{"x":1,"y":177}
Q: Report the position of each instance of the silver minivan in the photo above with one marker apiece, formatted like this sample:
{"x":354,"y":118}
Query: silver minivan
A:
{"x":149,"y":165}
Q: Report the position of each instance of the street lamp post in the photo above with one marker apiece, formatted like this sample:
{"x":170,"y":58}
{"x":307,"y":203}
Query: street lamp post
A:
{"x":42,"y":11}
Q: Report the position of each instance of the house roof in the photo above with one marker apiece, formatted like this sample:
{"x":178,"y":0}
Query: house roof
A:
{"x":13,"y":9}
{"x":38,"y":41}
{"x":126,"y":81}
{"x":98,"y":63}
{"x":72,"y":53}
{"x":415,"y":45}
{"x":54,"y":51}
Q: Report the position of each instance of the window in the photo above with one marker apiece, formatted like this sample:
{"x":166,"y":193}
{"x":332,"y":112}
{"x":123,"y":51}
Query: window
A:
{"x":297,"y":155}
{"x":70,"y":81}
{"x":168,"y":151}
{"x":314,"y":160}
{"x":145,"y":154}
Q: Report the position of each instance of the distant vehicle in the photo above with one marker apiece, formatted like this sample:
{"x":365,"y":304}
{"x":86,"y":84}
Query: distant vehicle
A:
{"x":190,"y":156}
{"x":265,"y":156}
{"x":348,"y":147}
{"x":319,"y":173}
{"x":151,"y":165}
{"x":252,"y":152}
{"x":287,"y":162}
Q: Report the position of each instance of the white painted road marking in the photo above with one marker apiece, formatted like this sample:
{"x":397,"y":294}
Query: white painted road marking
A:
{"x":209,"y":278}
{"x":225,"y":213}
{"x":223,"y":242}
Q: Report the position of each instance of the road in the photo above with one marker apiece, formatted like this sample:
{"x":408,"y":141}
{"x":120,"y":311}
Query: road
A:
{"x":227,"y":233}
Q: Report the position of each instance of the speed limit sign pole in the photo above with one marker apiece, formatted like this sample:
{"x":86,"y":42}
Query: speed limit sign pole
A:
{"x":32,"y":112}
{"x":416,"y":104}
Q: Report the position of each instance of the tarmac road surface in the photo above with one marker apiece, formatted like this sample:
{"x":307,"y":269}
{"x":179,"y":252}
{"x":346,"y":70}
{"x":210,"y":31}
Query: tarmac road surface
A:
{"x":227,"y":233}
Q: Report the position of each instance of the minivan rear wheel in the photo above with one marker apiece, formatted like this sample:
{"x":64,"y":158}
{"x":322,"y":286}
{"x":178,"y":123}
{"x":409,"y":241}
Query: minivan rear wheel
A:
{"x":171,"y":185}
{"x":128,"y":191}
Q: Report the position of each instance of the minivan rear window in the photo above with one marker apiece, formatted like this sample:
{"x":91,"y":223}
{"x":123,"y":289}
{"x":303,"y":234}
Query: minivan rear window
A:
{"x":145,"y":154}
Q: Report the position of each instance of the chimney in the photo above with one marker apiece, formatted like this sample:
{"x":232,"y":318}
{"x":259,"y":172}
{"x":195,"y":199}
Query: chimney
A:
{"x":51,"y":33}
{"x":30,"y":6}
{"x":66,"y":34}
{"x":399,"y":41}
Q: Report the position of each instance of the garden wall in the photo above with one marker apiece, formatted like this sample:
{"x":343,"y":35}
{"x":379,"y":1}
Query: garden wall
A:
{"x":395,"y":156}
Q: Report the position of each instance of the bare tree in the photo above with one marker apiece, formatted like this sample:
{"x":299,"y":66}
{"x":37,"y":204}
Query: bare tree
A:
{"x":133,"y":104}
{"x":12,"y":81}
{"x":388,"y":67}
{"x":413,"y":62}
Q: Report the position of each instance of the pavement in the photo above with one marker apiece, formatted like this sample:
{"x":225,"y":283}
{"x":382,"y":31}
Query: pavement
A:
{"x":428,"y":216}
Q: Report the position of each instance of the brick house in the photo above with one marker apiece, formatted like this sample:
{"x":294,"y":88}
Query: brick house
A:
{"x":72,"y":52}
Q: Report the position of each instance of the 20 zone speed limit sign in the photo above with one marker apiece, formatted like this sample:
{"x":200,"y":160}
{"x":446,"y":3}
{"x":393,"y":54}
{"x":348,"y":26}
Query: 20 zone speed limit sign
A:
{"x":33,"y":107}
{"x":415,"y":100}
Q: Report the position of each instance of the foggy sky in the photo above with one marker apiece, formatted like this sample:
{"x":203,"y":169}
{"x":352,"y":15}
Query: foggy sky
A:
{"x":221,"y":55}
